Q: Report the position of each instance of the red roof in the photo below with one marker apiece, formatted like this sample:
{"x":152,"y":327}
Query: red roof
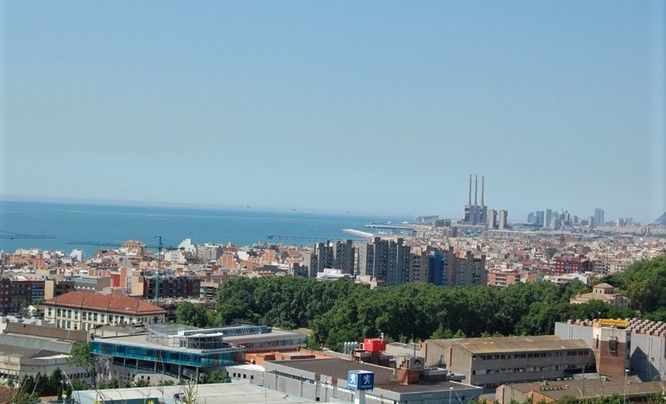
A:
{"x":107,"y":303}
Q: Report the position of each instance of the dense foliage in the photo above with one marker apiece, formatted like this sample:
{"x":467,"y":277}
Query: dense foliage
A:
{"x":644,"y":283}
{"x":343,"y":311}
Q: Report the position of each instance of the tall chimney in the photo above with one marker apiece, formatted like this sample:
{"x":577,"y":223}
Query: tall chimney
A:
{"x":483,"y":183}
{"x":476,"y":187}
{"x":469,"y":199}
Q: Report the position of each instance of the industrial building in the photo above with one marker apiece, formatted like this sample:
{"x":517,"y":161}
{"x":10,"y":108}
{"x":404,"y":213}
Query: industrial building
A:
{"x":177,"y":351}
{"x":326,"y":380}
{"x":489,"y":362}
{"x":584,"y":389}
{"x":634,"y":344}
{"x":28,"y":349}
{"x":218,"y":393}
{"x":474,"y":213}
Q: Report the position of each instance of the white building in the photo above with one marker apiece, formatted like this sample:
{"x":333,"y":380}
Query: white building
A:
{"x":84,"y":311}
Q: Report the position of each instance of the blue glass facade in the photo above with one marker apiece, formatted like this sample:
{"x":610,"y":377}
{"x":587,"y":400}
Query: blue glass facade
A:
{"x":437,"y":262}
{"x":197,"y":360}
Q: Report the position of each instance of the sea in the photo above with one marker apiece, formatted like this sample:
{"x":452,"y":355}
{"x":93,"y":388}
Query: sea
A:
{"x":90,"y":226}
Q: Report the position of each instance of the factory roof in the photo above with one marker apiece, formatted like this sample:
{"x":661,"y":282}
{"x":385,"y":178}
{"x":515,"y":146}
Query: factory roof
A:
{"x":339,"y":368}
{"x":512,"y":344}
{"x":589,"y":389}
{"x":208,"y":393}
{"x":46,"y":332}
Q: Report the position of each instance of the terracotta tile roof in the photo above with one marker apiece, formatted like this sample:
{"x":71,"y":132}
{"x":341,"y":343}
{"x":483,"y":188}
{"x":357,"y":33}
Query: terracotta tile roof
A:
{"x":106,"y":303}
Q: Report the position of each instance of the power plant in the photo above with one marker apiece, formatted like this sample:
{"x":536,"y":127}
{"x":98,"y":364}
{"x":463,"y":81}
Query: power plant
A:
{"x":476,"y":214}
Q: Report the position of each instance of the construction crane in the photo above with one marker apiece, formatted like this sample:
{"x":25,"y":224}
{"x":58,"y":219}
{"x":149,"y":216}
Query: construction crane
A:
{"x":159,"y":246}
{"x":113,"y":244}
{"x":9,"y":235}
{"x":158,"y":274}
{"x":286,"y":237}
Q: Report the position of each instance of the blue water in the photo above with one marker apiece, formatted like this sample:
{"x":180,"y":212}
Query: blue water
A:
{"x":115,"y":224}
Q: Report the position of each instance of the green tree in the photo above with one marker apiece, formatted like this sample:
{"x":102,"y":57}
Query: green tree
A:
{"x":216,"y":376}
{"x":81,"y":356}
{"x":644,"y":283}
{"x":192,"y":314}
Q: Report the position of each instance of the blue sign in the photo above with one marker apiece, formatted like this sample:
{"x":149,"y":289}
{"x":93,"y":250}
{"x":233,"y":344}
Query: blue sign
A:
{"x":360,"y":380}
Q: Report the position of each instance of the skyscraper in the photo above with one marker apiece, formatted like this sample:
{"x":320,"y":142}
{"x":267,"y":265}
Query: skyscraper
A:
{"x":385,"y":261}
{"x":599,"y":217}
{"x":492,"y":219}
{"x":549,"y":220}
{"x":344,"y":256}
{"x":502,"y":221}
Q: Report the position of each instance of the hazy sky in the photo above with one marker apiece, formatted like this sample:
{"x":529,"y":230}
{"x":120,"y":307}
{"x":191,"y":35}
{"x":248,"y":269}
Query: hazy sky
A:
{"x":381,"y":107}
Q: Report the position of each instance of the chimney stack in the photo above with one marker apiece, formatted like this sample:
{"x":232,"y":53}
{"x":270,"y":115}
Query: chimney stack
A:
{"x":483,"y":183}
{"x":469,"y":198}
{"x":476,"y":188}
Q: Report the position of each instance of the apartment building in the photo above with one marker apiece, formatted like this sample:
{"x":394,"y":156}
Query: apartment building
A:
{"x":15,"y":293}
{"x":85,"y":311}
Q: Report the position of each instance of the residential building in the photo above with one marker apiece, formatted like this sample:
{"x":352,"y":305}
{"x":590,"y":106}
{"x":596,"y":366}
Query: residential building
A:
{"x":387,"y":261}
{"x":84,"y":311}
{"x":492,"y":219}
{"x":503,"y":277}
{"x":502,"y":221}
{"x":170,"y":286}
{"x":17,"y":293}
{"x":344,"y":256}
{"x":208,"y":290}
{"x":467,"y":270}
{"x":398,"y":263}
{"x":438,"y":262}
{"x":603,"y":292}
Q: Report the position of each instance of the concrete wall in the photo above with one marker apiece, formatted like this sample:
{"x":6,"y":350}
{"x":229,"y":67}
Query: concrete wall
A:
{"x":648,"y":357}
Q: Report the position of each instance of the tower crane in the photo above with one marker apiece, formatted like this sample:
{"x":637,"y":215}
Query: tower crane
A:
{"x":159,"y":246}
{"x":9,"y":235}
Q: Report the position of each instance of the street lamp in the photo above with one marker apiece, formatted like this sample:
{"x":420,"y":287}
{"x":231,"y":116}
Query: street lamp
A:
{"x":626,"y":374}
{"x":450,"y":391}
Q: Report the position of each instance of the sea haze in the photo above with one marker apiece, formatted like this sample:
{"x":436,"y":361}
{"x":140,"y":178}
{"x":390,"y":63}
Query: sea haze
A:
{"x":115,"y":224}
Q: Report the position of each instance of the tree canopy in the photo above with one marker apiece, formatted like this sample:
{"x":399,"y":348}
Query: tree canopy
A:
{"x":342,"y":311}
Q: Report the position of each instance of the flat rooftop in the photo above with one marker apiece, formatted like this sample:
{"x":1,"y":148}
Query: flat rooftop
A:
{"x":591,"y":388}
{"x":220,"y":393}
{"x":338,"y":368}
{"x":512,"y":344}
{"x":141,"y":340}
{"x":29,"y":352}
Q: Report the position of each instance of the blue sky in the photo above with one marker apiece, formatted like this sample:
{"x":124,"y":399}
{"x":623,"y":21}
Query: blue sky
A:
{"x":373,"y":107}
